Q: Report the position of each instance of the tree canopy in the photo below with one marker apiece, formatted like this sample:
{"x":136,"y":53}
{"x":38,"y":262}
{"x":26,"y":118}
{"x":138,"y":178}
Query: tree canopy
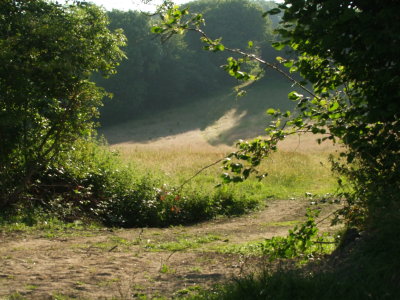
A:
{"x":160,"y":75}
{"x":48,"y":52}
{"x":348,"y":53}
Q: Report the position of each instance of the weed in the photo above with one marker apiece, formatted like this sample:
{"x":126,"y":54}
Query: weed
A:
{"x":60,"y":296}
{"x":108,"y":282}
{"x":282,"y":224}
{"x":138,"y":287}
{"x":165,"y":269}
{"x":31,"y":287}
{"x":187,"y":291}
{"x":301,"y":242}
{"x":16,"y":296}
{"x":121,"y":241}
{"x":184,"y":243}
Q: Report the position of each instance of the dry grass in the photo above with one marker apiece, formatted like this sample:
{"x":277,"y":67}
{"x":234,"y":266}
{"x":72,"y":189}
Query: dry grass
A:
{"x":175,"y":144}
{"x":299,"y":167}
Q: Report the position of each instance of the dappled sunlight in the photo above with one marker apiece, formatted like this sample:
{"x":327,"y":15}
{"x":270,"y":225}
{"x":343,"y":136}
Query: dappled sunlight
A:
{"x":215,"y":133}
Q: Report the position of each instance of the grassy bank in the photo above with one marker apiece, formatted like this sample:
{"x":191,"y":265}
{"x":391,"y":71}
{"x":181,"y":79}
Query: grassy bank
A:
{"x":291,"y":174}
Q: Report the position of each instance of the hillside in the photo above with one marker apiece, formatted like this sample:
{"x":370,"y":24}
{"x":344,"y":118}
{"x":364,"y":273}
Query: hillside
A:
{"x":211,"y":123}
{"x":217,"y":120}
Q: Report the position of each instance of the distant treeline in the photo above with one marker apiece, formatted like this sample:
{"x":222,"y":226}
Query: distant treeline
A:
{"x":163,"y":75}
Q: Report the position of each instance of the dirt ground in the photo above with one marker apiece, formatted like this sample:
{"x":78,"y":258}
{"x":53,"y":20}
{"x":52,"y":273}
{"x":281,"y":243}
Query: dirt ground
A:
{"x":133,"y":263}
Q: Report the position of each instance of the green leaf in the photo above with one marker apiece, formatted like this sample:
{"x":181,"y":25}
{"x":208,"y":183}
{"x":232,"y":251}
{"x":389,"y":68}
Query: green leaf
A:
{"x":271,"y":111}
{"x":287,"y":114}
{"x":278,"y":46}
{"x":226,"y":178}
{"x":295,"y":96}
{"x":334,"y":106}
{"x":241,"y":93}
{"x":288,"y":63}
{"x":219,"y":47}
{"x":157,"y":29}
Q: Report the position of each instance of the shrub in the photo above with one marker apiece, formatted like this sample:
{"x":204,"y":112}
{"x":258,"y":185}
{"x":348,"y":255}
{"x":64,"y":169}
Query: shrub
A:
{"x":91,"y":182}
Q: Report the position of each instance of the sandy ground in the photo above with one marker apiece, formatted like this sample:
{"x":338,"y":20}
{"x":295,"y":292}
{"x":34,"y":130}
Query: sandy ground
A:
{"x":123,"y":263}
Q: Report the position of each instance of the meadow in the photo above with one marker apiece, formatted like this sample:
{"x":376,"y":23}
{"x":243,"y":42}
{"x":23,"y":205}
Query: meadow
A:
{"x":175,"y":144}
{"x":291,"y":173}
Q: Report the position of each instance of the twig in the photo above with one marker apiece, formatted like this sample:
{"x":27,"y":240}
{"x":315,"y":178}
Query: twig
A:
{"x":173,"y":252}
{"x":116,"y":246}
{"x":320,"y":221}
{"x":256,"y":58}
{"x":198,"y":172}
{"x":139,"y":239}
{"x":163,"y":262}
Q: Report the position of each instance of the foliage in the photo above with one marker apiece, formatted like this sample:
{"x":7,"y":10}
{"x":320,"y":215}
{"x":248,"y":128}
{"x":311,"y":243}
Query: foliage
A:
{"x":184,"y":243}
{"x":355,"y":80}
{"x":354,"y":95}
{"x":302,"y":242}
{"x":160,"y":75}
{"x":48,"y":52}
{"x":347,"y":53}
{"x":137,"y":76}
{"x":366,"y":270}
{"x":92,"y":184}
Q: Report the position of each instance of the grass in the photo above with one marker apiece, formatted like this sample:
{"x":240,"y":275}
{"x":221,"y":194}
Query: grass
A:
{"x":291,"y":174}
{"x":283,"y":223}
{"x":174,"y":145}
{"x":368,"y":268}
{"x":36,"y":222}
{"x":183,"y":243}
{"x":256,"y":248}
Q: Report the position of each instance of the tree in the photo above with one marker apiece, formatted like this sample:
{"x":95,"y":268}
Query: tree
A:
{"x":347,"y":52}
{"x":162,"y":75}
{"x":130,"y":86}
{"x":234,"y":21}
{"x":48,"y":53}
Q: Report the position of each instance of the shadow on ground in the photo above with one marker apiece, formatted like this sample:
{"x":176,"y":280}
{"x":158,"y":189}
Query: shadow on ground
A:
{"x":221,"y":119}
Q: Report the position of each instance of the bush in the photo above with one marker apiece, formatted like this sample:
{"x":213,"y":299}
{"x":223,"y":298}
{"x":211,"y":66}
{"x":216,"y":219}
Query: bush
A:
{"x":91,"y":182}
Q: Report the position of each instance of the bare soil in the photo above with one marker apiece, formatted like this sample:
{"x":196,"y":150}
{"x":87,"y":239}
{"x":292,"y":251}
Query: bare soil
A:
{"x":125,"y":263}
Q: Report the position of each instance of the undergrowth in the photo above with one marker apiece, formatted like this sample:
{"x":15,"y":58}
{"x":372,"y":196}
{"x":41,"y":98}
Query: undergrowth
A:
{"x":290,"y":174}
{"x":92,"y":184}
{"x":365,"y":268}
{"x":302,"y":243}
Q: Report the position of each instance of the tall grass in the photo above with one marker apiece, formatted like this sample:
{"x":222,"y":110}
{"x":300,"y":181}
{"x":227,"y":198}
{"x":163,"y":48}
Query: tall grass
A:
{"x":291,"y":174}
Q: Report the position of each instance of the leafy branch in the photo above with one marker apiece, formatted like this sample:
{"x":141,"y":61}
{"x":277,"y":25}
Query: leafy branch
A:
{"x":173,"y":22}
{"x":240,"y":164}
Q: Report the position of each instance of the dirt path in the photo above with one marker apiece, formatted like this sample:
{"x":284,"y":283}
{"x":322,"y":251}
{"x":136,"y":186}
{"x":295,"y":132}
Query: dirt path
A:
{"x":127,"y":264}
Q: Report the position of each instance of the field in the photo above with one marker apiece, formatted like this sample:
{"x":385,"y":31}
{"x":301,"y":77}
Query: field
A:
{"x":73,"y":261}
{"x":177,"y":143}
